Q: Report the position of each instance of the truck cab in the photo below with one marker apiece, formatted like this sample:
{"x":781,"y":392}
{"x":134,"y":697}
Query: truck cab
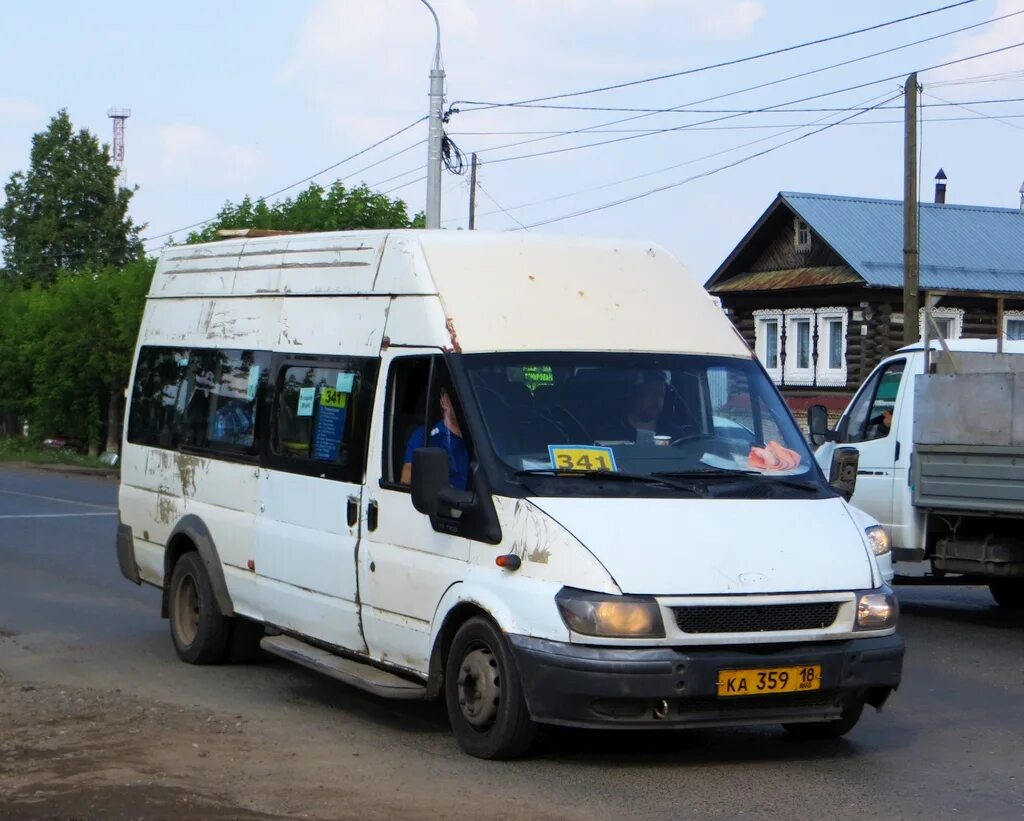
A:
{"x":908,"y":417}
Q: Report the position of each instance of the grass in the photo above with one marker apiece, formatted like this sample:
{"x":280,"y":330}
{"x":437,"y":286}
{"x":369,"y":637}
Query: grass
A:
{"x":17,"y":449}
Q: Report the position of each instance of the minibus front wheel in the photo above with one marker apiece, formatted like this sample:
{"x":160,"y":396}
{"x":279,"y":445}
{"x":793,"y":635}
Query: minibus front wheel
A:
{"x":199,"y":630}
{"x":484,"y":695}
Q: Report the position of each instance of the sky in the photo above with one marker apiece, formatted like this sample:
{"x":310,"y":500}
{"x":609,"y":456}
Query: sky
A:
{"x":236,"y":98}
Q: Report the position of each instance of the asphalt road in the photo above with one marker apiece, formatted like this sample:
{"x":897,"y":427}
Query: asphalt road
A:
{"x":949,"y":744}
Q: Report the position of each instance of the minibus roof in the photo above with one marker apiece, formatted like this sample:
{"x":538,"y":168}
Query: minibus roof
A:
{"x":498,"y":291}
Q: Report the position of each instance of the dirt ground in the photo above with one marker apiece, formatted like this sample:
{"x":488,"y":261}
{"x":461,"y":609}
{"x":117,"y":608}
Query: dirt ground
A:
{"x":71,"y":754}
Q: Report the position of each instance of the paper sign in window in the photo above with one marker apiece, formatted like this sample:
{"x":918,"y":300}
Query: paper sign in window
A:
{"x":306,"y":399}
{"x":331,"y":398}
{"x":254,"y":383}
{"x":345,"y":381}
{"x":330,"y":427}
{"x":581,"y":457}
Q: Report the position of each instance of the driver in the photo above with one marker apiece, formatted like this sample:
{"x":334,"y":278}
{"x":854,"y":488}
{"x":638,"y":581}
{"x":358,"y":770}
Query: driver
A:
{"x":643,"y":409}
{"x":447,"y":434}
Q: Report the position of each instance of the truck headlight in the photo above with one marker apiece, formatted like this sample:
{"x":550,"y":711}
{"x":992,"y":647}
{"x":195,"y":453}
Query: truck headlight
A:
{"x":879,"y":539}
{"x":597,"y":614}
{"x":877,"y":609}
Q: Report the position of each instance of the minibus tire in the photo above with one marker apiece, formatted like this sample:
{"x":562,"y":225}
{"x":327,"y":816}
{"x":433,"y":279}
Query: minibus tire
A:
{"x":200,"y":632}
{"x":1008,"y":594}
{"x":818,"y":730}
{"x":480,"y":663}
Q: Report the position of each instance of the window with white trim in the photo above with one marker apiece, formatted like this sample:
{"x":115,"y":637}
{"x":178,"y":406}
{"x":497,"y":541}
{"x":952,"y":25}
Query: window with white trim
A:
{"x":798,"y":367}
{"x":832,"y":326}
{"x":1013,"y":325}
{"x":801,"y":235}
{"x":768,"y":341}
{"x":949,"y":320}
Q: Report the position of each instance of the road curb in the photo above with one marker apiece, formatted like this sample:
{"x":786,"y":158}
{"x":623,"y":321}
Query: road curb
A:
{"x":70,"y":470}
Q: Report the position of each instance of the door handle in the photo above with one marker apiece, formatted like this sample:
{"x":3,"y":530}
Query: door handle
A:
{"x":371,"y":516}
{"x":352,"y":510}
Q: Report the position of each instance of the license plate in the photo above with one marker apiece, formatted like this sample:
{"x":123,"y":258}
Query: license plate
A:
{"x":763,"y":681}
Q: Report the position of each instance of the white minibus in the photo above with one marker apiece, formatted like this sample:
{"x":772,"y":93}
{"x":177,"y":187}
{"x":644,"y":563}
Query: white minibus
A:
{"x":543,"y":479}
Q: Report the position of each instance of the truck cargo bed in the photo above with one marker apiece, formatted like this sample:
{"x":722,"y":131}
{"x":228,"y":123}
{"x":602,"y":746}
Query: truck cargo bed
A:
{"x":975,"y":478}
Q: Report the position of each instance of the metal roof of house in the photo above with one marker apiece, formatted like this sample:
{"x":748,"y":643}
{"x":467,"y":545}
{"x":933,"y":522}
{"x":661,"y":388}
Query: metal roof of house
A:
{"x":963,"y":247}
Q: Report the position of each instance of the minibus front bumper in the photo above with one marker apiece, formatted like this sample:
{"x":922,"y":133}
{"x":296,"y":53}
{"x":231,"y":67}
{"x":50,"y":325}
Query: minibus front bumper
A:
{"x":647,"y":687}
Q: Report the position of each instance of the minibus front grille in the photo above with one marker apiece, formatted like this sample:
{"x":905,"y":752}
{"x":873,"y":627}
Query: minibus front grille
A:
{"x":756,"y":618}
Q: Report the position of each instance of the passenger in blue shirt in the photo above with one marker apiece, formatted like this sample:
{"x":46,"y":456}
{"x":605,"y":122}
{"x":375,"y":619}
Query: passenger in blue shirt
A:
{"x":446,"y":434}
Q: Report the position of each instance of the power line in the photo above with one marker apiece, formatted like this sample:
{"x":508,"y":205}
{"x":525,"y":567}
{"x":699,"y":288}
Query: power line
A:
{"x":966,"y":107}
{"x":500,"y":208}
{"x":753,"y":111}
{"x":613,"y":183}
{"x":758,"y":86}
{"x":701,"y":175}
{"x":733,"y":62}
{"x":304,"y":179}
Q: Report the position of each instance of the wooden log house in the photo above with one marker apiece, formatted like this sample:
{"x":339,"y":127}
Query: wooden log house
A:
{"x":815,"y":286}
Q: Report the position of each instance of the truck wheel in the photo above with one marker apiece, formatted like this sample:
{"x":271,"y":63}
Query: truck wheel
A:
{"x":1008,"y":594}
{"x":199,"y":630}
{"x":484,"y":695}
{"x":816,"y":730}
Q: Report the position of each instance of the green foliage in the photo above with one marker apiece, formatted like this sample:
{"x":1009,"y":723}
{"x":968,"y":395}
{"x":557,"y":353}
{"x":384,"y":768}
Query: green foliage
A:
{"x":17,"y":449}
{"x":64,"y":349}
{"x":316,"y":209}
{"x":66,"y":212}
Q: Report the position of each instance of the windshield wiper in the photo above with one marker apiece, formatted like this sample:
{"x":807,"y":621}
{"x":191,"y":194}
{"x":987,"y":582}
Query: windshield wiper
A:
{"x":713,"y":473}
{"x":617,"y":475}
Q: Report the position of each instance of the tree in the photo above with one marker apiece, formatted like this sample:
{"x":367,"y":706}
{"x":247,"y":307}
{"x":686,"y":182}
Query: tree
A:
{"x":316,"y":209}
{"x":66,"y":352}
{"x":66,"y":212}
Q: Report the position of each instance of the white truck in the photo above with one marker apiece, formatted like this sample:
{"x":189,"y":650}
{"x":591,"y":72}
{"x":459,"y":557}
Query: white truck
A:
{"x":932,"y":446}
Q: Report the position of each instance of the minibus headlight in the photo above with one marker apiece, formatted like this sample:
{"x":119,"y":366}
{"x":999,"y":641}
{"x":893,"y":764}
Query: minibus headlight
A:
{"x":597,"y":614}
{"x":879,"y":539}
{"x":877,"y":609}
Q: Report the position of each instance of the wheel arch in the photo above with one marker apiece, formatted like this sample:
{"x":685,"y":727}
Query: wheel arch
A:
{"x":192,"y":534}
{"x":457,"y":606}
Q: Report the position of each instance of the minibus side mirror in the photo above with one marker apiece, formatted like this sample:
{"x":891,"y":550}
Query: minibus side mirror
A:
{"x":817,"y":425}
{"x":843,"y":472}
{"x":432,"y":492}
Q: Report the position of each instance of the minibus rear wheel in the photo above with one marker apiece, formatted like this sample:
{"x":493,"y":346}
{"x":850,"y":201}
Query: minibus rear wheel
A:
{"x":484,"y":695}
{"x":199,"y":630}
{"x":816,"y":730}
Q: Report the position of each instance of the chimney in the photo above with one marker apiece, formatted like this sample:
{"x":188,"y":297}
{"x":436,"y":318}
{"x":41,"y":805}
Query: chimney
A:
{"x":940,"y":187}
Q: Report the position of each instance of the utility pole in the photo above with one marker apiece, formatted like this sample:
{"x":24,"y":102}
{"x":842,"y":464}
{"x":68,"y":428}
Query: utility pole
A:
{"x":472,"y":193}
{"x":436,"y":133}
{"x":911,"y":251}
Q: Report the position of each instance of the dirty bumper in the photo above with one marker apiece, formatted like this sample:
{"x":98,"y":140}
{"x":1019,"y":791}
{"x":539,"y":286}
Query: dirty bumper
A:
{"x":639,"y":687}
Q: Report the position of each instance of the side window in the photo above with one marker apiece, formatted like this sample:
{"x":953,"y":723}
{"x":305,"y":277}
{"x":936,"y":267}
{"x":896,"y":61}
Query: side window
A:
{"x":321,"y":416}
{"x":738,"y":410}
{"x":158,"y":396}
{"x":222,"y":388}
{"x":870,"y":416}
{"x":424,"y":411}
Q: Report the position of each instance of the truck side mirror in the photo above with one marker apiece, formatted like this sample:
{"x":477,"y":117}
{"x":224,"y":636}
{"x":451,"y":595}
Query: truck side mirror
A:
{"x":429,"y":478}
{"x":432,"y":492}
{"x":817,"y":425}
{"x":843,"y":471}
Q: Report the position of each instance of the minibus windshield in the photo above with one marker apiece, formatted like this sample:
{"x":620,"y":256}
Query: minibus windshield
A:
{"x":676,"y":419}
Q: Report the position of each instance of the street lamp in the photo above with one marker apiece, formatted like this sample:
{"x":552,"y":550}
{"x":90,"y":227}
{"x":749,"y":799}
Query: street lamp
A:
{"x":436,"y":133}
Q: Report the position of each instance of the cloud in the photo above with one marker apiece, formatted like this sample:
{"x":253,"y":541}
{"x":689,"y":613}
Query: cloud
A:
{"x":1003,"y":33}
{"x":12,"y":109}
{"x":192,"y":155}
{"x":366,"y":64}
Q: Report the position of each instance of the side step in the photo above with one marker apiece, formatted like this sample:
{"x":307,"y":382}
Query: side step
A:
{"x":364,"y":676}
